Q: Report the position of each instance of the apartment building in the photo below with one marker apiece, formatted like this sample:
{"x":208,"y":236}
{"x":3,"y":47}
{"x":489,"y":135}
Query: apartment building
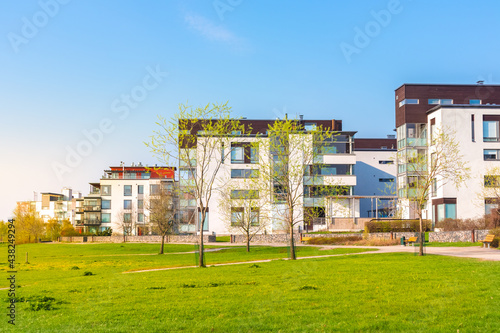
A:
{"x":249,"y":154}
{"x":55,"y":206}
{"x":470,"y":111}
{"x":376,"y":176}
{"x":120,"y":198}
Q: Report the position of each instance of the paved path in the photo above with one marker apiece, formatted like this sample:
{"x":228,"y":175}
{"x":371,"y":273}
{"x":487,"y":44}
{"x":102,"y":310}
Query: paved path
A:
{"x":463,"y":252}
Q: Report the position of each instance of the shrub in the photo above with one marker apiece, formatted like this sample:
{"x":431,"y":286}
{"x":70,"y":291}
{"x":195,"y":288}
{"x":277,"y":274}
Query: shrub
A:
{"x":88,"y":273}
{"x":333,"y":240}
{"x":495,"y":232}
{"x":465,"y":224}
{"x":396,"y":225}
{"x":353,"y":240}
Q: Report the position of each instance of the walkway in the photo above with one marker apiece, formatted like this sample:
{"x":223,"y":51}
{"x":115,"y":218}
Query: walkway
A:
{"x":463,"y":252}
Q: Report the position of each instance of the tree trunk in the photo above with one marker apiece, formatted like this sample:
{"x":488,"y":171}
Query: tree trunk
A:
{"x":248,"y":242}
{"x":292,"y":245}
{"x":422,"y":236}
{"x":201,"y":261}
{"x":162,"y":244}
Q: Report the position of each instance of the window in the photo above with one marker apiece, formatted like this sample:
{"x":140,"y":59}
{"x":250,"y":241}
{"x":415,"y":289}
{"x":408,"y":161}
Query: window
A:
{"x":244,"y":173}
{"x":205,"y":223}
{"x":106,"y":204}
{"x":127,"y":218}
{"x":238,"y":216}
{"x":408,"y":101}
{"x":244,"y":152}
{"x":434,"y":187}
{"x":491,"y":154}
{"x":490,"y":204}
{"x":442,"y":101}
{"x":310,"y":126}
{"x":140,"y":189}
{"x":106,"y":190}
{"x":491,"y":181}
{"x":127,"y":190}
{"x":106,"y":217}
{"x":244,"y":194}
{"x":386,"y":180}
{"x":329,"y":170}
{"x":473,"y":133}
{"x":127,"y":204}
{"x":490,"y":130}
{"x":475,"y":101}
{"x":154,"y":189}
{"x":140,"y":204}
{"x":140,"y":217}
{"x":385,"y":162}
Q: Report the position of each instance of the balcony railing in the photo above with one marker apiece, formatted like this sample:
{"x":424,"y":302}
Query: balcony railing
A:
{"x":92,"y":208}
{"x":91,"y":222}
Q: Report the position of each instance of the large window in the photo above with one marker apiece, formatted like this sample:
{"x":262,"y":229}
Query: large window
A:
{"x":106,"y":190}
{"x":490,"y":128}
{"x":127,"y":190}
{"x":140,"y":189}
{"x":490,"y":204}
{"x":106,"y":204}
{"x":127,"y":218}
{"x":244,"y":194}
{"x":205,"y":223}
{"x":491,"y":154}
{"x":238,"y":216}
{"x":140,"y":204}
{"x":154,"y":189}
{"x":127,"y":204}
{"x":140,"y":217}
{"x":442,"y":101}
{"x":408,"y":101}
{"x":329,"y":170}
{"x":242,"y":152}
{"x":106,"y":217}
{"x":244,"y":173}
{"x":491,"y":181}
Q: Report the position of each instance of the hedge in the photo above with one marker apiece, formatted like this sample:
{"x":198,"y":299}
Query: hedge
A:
{"x":396,"y":225}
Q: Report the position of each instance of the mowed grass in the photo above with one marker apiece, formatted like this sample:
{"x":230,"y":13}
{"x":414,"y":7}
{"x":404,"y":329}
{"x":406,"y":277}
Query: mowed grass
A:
{"x":378,"y":292}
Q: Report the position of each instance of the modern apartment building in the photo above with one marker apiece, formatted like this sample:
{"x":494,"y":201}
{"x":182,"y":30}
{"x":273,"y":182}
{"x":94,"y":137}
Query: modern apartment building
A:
{"x":55,"y":206}
{"x":376,"y":176}
{"x":468,"y":110}
{"x":336,"y":169}
{"x":120,"y":198}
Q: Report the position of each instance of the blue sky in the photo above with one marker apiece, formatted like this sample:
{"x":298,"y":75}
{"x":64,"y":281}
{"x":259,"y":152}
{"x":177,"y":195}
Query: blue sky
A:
{"x":66,"y":65}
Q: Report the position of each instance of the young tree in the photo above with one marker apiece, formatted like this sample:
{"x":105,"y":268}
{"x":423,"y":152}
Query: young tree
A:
{"x":162,"y":207}
{"x":126,"y":222}
{"x":196,"y":140}
{"x":68,"y":229}
{"x":29,"y":225}
{"x":291,"y":158}
{"x":443,"y":164}
{"x":53,"y":229}
{"x":243,"y":210}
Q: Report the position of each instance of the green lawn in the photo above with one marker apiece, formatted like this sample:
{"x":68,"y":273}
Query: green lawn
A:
{"x":382,"y":292}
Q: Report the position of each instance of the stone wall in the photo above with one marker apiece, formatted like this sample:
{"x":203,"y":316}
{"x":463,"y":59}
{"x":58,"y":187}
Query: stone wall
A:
{"x":137,"y":239}
{"x":266,"y":239}
{"x":457,"y":236}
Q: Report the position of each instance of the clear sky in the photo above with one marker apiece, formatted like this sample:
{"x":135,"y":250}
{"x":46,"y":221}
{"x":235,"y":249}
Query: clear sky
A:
{"x":74,"y":70}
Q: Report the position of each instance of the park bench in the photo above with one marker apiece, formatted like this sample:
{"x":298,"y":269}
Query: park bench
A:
{"x":411,"y":240}
{"x":305,"y":239}
{"x":488,"y":240}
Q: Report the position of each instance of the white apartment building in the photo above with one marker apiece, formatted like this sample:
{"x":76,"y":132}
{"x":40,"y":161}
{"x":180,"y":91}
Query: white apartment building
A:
{"x":120,"y":197}
{"x":238,"y":173}
{"x":476,"y":129}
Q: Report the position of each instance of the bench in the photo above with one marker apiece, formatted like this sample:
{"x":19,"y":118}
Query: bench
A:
{"x":411,"y":240}
{"x":305,"y":239}
{"x":487,"y":240}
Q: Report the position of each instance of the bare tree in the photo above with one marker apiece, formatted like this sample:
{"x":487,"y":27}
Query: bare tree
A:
{"x":196,"y":140}
{"x":127,"y":223}
{"x":290,"y":161}
{"x":243,"y":210}
{"x":162,"y":207}
{"x":443,"y":164}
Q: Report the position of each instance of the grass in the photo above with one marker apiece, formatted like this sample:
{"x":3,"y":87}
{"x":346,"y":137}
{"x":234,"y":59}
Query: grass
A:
{"x":396,"y":292}
{"x":223,"y":238}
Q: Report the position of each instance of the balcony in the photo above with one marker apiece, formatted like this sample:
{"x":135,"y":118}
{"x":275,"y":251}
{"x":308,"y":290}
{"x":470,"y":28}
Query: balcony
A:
{"x":92,"y":208}
{"x":91,"y":222}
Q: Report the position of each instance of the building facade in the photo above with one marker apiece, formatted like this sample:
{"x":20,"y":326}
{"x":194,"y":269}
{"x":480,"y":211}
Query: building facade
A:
{"x":465,"y":110}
